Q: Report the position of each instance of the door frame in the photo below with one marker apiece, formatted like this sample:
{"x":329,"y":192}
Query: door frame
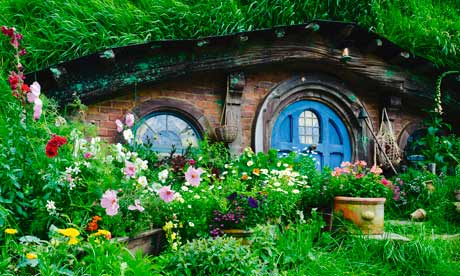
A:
{"x":316,"y":87}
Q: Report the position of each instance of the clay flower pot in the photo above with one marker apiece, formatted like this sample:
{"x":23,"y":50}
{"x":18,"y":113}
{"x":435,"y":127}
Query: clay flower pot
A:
{"x":148,"y":242}
{"x":241,"y":234}
{"x":366,"y":213}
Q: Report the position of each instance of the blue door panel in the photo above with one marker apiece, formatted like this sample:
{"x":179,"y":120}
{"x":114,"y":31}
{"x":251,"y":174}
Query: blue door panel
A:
{"x":333,"y":146}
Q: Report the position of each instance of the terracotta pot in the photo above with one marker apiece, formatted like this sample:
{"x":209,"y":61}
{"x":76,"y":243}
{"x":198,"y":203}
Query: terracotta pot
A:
{"x":366,"y":213}
{"x":241,"y":234}
{"x":149,"y":242}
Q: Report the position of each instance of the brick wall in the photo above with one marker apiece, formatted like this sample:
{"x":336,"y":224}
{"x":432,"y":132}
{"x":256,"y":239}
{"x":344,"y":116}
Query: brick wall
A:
{"x":206,"y":93}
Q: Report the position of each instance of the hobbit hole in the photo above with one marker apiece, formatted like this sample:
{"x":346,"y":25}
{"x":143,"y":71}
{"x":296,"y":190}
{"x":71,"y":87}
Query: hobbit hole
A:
{"x":281,"y":91}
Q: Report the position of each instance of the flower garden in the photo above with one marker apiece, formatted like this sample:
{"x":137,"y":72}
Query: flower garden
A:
{"x":66,"y":196}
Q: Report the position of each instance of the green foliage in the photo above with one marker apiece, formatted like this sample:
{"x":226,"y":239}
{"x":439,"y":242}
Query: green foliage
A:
{"x":220,"y":256}
{"x":60,"y":30}
{"x":29,"y":255}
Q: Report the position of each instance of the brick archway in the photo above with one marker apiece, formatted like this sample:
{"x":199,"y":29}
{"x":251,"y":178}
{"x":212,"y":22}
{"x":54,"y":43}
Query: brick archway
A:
{"x":318,"y":87}
{"x":180,"y":107}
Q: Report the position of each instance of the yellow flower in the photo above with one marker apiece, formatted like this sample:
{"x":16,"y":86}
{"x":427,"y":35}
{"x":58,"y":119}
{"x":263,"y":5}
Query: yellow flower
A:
{"x":73,"y":241}
{"x":169,"y":225}
{"x":102,"y":232}
{"x":69,"y":232}
{"x":173,"y":236}
{"x":31,"y":256}
{"x":10,"y":231}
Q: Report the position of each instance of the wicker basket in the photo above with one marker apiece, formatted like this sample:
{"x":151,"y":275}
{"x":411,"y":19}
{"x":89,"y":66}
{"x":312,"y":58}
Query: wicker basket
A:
{"x":226,"y":133}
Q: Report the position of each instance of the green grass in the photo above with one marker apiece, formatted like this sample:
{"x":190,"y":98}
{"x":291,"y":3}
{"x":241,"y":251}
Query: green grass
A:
{"x":60,"y":30}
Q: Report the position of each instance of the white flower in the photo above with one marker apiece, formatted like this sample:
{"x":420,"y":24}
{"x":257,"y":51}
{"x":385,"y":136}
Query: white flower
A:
{"x":225,"y":172}
{"x":143,"y":181}
{"x":60,"y":121}
{"x":163,"y":175}
{"x":278,"y":164}
{"x":184,"y":188}
{"x":109,"y":159}
{"x":191,"y":224}
{"x":295,"y":191}
{"x":141,"y":164}
{"x":86,"y":164}
{"x":276,"y":184}
{"x":128,"y":135}
{"x":189,"y":206}
{"x":72,"y":185}
{"x":263,"y":171}
{"x":196,"y":197}
{"x":50,"y":206}
{"x":250,"y":163}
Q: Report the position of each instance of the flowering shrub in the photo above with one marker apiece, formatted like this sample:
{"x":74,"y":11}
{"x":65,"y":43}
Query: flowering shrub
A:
{"x":239,"y":212}
{"x":357,"y":180}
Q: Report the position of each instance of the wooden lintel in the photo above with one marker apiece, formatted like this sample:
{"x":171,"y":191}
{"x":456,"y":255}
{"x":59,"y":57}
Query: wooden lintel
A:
{"x":373,"y":46}
{"x":399,"y":58}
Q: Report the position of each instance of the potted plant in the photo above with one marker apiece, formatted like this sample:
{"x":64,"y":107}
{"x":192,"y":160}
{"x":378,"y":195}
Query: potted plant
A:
{"x":238,"y":214}
{"x":360,"y":195}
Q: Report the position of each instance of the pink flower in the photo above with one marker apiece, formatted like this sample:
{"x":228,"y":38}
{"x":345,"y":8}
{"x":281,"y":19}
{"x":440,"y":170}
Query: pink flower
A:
{"x":119,"y":125}
{"x":129,"y":120}
{"x":166,"y":194}
{"x":346,"y":164}
{"x":191,"y":162}
{"x":109,"y":201}
{"x":361,"y":163}
{"x":396,"y":193}
{"x":376,"y":170}
{"x":34,"y":92}
{"x":137,"y":206}
{"x":337,"y":171}
{"x":130,"y":169}
{"x":87,"y":155}
{"x":38,"y":106}
{"x":385,"y":182}
{"x":192,"y":176}
{"x":359,"y":175}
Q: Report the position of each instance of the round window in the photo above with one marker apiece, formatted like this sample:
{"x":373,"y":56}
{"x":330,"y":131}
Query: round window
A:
{"x":163,"y":131}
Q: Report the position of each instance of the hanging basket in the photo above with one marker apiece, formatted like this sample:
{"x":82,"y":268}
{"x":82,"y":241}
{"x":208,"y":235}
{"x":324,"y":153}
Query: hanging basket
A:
{"x":387,"y":140}
{"x":226,"y":133}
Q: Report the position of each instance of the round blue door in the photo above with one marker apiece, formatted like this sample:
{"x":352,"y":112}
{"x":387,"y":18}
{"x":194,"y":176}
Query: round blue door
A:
{"x":307,"y":124}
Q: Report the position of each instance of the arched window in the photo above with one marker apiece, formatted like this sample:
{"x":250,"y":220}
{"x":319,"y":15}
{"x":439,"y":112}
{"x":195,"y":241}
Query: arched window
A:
{"x":164,"y":130}
{"x":308,"y":128}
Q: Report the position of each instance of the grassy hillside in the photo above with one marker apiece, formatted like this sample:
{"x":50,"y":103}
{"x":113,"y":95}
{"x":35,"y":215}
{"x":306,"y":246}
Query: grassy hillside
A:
{"x":59,"y":30}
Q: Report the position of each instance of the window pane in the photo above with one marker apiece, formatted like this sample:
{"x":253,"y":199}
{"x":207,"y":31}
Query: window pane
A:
{"x":308,"y":128}
{"x":162,"y":131}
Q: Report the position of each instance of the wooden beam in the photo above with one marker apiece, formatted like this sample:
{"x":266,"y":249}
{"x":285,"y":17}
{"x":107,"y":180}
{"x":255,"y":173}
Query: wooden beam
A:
{"x":373,"y":46}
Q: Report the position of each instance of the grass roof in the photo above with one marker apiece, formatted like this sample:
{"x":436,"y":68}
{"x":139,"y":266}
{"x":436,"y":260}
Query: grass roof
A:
{"x":60,"y":30}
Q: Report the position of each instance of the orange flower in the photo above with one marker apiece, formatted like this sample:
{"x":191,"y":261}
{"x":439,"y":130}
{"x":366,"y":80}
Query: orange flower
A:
{"x":244,"y":177}
{"x":97,"y":218}
{"x":92,"y":226}
{"x":256,"y":171}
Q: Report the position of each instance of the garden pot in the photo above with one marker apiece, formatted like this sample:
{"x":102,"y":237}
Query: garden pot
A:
{"x":149,"y":242}
{"x":226,"y":133}
{"x":457,"y":195}
{"x":366,"y":213}
{"x":240,"y":234}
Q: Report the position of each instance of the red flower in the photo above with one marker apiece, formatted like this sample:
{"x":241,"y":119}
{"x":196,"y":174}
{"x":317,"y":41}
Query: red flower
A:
{"x":25,"y":88}
{"x":92,"y":226}
{"x":53,"y":145}
{"x":13,"y":79}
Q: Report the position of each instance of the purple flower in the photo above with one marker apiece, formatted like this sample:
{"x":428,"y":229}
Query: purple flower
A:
{"x":232,"y":196}
{"x":252,"y":202}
